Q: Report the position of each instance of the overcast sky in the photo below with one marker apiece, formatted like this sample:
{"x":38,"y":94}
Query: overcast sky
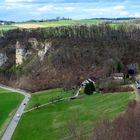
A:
{"x":21,"y":10}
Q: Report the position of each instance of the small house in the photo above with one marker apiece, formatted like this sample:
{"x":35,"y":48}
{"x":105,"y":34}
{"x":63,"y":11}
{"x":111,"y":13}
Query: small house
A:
{"x":118,"y":76}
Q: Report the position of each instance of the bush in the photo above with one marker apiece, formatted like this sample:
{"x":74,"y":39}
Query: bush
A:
{"x":89,"y":88}
{"x":37,"y":105}
{"x":124,"y":127}
{"x":118,"y":89}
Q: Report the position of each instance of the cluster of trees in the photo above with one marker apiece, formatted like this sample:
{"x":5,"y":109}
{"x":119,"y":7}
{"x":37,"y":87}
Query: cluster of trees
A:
{"x":83,"y":32}
{"x":77,"y":32}
{"x":49,"y":20}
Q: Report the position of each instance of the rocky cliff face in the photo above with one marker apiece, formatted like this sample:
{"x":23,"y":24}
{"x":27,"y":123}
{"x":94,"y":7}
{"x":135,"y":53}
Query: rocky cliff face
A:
{"x":21,"y":51}
{"x":36,"y":48}
{"x":3,"y":59}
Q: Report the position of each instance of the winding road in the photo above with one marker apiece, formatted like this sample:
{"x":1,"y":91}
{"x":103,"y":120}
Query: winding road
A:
{"x":14,"y":122}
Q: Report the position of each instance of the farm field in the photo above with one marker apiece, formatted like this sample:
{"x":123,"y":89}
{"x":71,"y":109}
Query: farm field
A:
{"x":8,"y":104}
{"x":29,"y":26}
{"x":64,"y":23}
{"x":58,"y":23}
{"x":32,"y":25}
{"x":51,"y":122}
{"x":70,"y":22}
{"x":7,"y":27}
{"x":46,"y":96}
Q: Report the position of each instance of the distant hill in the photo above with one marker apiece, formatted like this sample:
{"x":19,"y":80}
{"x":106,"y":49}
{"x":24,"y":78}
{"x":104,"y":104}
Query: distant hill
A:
{"x":6,"y":22}
{"x":124,"y":18}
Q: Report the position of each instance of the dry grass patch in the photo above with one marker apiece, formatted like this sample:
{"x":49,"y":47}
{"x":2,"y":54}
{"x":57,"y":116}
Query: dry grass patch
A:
{"x":28,"y":26}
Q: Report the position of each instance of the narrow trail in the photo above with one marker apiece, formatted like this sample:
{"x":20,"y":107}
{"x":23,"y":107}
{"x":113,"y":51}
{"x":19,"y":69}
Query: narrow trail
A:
{"x":34,"y":108}
{"x":15,"y":120}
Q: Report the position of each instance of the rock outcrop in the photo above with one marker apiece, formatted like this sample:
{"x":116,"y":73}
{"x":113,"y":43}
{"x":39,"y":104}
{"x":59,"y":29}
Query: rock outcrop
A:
{"x":3,"y":59}
{"x":39,"y":48}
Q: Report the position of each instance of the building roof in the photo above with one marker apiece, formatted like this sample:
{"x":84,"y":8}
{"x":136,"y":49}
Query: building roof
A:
{"x":118,"y":74}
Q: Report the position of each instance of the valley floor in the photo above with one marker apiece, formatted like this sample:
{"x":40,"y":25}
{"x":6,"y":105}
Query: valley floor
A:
{"x":52,"y":122}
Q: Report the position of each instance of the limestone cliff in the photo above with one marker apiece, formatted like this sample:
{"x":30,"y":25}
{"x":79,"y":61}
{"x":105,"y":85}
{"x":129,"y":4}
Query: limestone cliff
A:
{"x":3,"y":59}
{"x":36,"y":48}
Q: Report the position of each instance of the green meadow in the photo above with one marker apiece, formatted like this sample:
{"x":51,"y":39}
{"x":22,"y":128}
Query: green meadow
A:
{"x":8,"y":105}
{"x":7,"y":27}
{"x":51,"y":122}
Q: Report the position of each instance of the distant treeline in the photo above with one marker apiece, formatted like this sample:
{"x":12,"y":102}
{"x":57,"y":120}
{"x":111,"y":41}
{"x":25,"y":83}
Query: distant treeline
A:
{"x":6,"y":22}
{"x":73,"y":32}
{"x":49,"y":20}
{"x":85,"y":32}
{"x":123,"y":18}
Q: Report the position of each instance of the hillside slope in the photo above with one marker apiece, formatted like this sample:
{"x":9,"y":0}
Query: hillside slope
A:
{"x":65,"y":56}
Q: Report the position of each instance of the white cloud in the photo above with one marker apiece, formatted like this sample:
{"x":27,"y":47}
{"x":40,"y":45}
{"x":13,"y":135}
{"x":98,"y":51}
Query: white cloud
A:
{"x":56,"y":8}
{"x":46,"y":8}
{"x":124,"y":13}
{"x":86,"y":10}
{"x":14,"y":1}
{"x":97,"y":10}
{"x":16,"y":6}
{"x":118,"y":8}
{"x":78,"y":10}
{"x":135,"y":15}
{"x":69,"y":8}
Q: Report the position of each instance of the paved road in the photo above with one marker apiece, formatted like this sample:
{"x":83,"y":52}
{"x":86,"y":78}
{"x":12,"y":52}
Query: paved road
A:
{"x":136,"y":78}
{"x":14,"y":122}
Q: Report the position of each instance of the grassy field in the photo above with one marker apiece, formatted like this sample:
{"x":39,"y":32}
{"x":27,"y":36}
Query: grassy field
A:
{"x":65,"y":23}
{"x":47,"y":96}
{"x":7,"y":27}
{"x":51,"y":122}
{"x":8,"y":104}
{"x":58,"y":23}
{"x":69,"y":22}
{"x":50,"y":24}
{"x":28,"y":25}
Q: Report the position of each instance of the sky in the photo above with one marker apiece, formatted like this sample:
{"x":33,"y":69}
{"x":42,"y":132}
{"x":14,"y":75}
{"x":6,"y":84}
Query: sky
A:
{"x":23,"y":10}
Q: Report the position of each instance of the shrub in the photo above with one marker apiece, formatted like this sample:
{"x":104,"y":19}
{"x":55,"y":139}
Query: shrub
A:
{"x":37,"y":105}
{"x":124,"y":127}
{"x":118,"y":89}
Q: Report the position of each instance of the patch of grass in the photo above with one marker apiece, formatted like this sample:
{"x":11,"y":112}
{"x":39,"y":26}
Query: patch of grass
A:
{"x":7,"y":27}
{"x":69,"y":22}
{"x":8,"y":104}
{"x":46,"y":96}
{"x":72,"y":23}
{"x":49,"y":122}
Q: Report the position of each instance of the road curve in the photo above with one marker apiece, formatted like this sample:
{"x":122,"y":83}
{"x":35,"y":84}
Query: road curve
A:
{"x":14,"y":122}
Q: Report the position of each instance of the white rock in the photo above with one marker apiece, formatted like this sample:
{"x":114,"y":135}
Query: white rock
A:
{"x":3,"y":58}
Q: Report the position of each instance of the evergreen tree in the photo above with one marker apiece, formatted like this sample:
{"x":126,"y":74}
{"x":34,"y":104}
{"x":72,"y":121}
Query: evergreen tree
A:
{"x":89,"y":88}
